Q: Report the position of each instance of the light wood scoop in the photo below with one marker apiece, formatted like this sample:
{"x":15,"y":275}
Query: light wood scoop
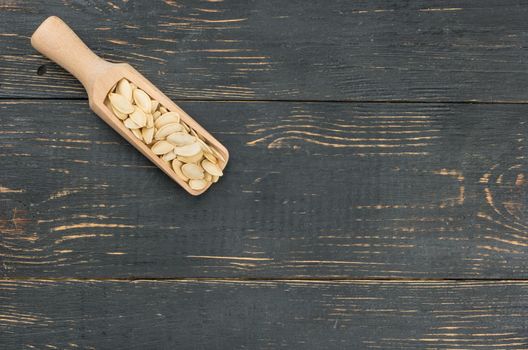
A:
{"x":55,"y":40}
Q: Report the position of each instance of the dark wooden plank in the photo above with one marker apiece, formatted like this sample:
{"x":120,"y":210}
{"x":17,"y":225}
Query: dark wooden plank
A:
{"x":321,"y":50}
{"x":313,"y":189}
{"x":263,"y":315}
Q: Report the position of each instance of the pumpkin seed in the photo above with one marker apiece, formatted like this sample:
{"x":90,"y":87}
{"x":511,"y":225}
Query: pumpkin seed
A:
{"x":162,"y":147}
{"x":169,"y":156}
{"x":194,"y":159}
{"x":193,"y":132}
{"x":137,"y":133}
{"x":186,"y":127}
{"x":148,"y":135}
{"x":166,"y":118}
{"x":176,"y":166}
{"x":188,"y":150}
{"x":139,"y":117}
{"x":210,"y":157}
{"x":166,"y":130}
{"x":217,"y":154}
{"x":120,"y":103}
{"x":154,"y":106}
{"x":197,"y":184}
{"x":118,"y":114}
{"x":142,"y":100}
{"x":180,"y":139}
{"x":204,"y":146}
{"x":211,"y":168}
{"x":123,"y":88}
{"x":129,"y":123}
{"x":150,"y":121}
{"x":192,"y":171}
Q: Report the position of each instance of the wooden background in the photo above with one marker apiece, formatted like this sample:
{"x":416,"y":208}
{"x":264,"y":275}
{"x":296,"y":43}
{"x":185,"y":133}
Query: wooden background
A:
{"x":376,"y":195}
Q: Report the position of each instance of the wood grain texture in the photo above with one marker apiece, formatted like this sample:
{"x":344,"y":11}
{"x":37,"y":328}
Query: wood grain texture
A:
{"x":384,"y":195}
{"x":263,"y":315}
{"x":471,"y":50}
{"x":317,"y":190}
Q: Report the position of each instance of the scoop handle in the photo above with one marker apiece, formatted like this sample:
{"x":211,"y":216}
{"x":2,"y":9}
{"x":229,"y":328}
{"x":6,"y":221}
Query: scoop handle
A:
{"x":57,"y":41}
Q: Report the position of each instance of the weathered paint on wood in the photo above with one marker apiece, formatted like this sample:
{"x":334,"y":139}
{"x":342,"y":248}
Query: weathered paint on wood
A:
{"x":471,"y":50}
{"x":315,"y":190}
{"x":263,"y":315}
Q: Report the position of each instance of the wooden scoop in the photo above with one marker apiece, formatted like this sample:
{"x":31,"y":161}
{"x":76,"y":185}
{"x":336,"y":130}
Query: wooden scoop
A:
{"x":55,"y":40}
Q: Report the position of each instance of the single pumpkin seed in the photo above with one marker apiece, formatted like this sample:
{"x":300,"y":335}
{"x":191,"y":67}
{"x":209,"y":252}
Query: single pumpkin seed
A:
{"x":142,"y":100}
{"x":211,"y":168}
{"x":162,"y":147}
{"x":186,"y":127}
{"x":148,"y":134}
{"x":137,"y":133}
{"x":217,"y":154}
{"x":193,"y":159}
{"x":124,"y":89}
{"x":192,"y":171}
{"x":205,"y":147}
{"x":121,"y":103}
{"x":180,"y":139}
{"x":188,"y":150}
{"x":183,"y":129}
{"x":210,"y":157}
{"x":166,"y":130}
{"x":198,"y":184}
{"x":120,"y":115}
{"x":198,"y":136}
{"x":194,"y":133}
{"x":129,"y":123}
{"x":166,"y":118}
{"x":139,"y":117}
{"x":176,"y":166}
{"x":150,"y":121}
{"x":154,"y":106}
{"x":169,"y":156}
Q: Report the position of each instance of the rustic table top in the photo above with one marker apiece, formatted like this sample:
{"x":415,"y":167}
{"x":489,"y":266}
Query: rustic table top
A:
{"x":376,"y":195}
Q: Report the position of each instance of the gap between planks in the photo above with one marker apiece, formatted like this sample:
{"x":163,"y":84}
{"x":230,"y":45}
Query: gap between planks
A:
{"x":270,"y":279}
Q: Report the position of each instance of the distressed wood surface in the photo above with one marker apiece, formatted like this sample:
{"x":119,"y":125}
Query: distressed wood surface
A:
{"x":263,"y":315}
{"x":471,"y":50}
{"x":419,"y":209}
{"x":313,"y":190}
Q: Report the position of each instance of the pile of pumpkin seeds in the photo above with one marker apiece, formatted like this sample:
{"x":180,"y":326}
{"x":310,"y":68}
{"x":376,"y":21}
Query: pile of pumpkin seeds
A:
{"x":193,"y":160}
